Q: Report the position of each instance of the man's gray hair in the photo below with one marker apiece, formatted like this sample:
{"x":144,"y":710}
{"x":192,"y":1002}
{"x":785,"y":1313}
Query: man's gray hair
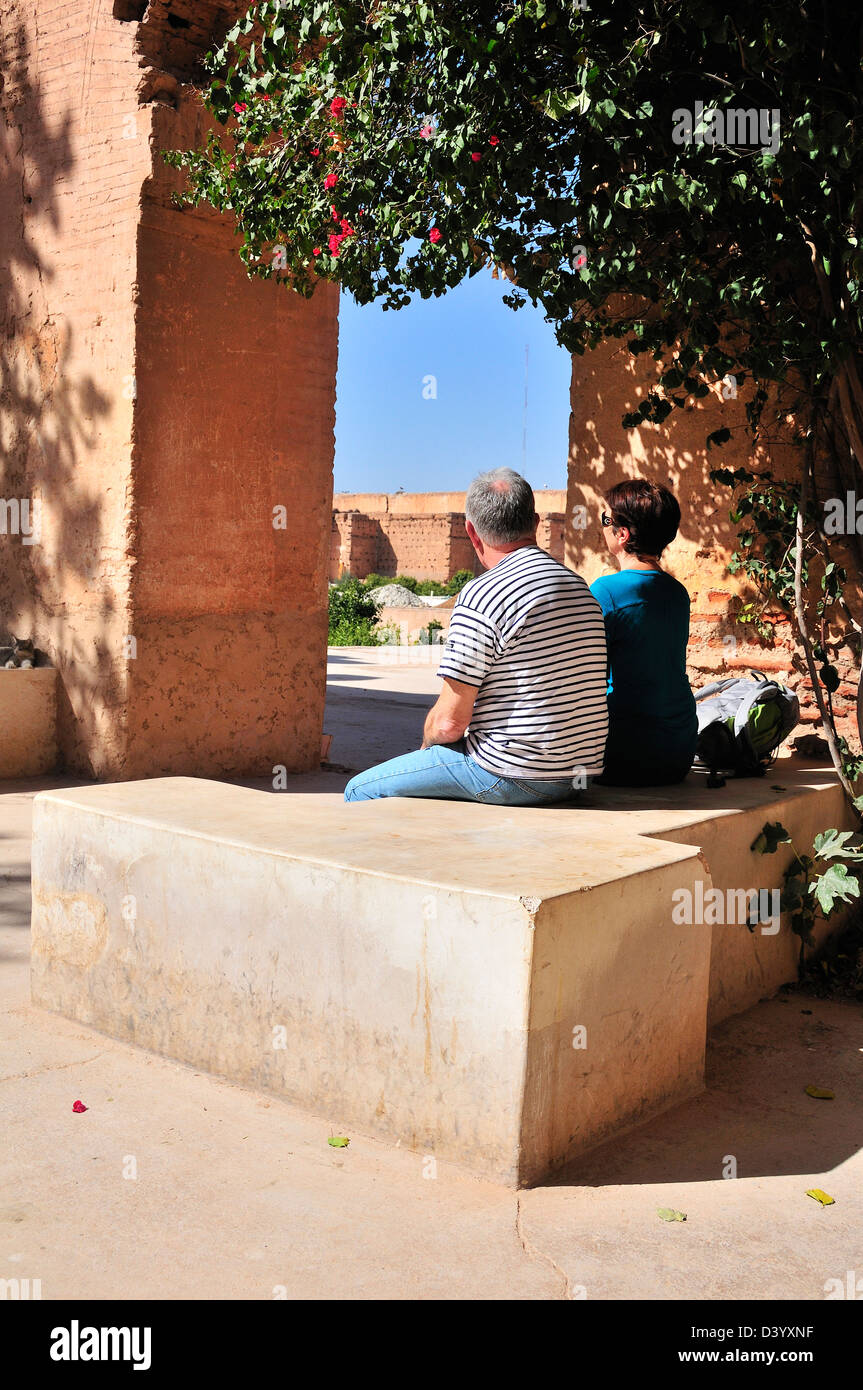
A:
{"x":501,"y":506}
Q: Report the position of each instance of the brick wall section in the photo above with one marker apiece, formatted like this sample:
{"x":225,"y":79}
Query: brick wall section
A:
{"x":431,"y":503}
{"x":605,"y":384}
{"x":69,"y":210}
{"x":161,"y":405}
{"x":353,"y":545}
{"x":424,"y":543}
{"x":550,"y":535}
{"x":424,"y":546}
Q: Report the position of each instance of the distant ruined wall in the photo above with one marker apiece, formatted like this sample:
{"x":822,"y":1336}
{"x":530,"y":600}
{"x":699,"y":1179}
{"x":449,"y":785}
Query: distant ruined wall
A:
{"x":413,"y":533}
{"x":428,"y":547}
{"x":353,"y":545}
{"x":431,"y":503}
{"x":550,"y":535}
{"x":160,"y":406}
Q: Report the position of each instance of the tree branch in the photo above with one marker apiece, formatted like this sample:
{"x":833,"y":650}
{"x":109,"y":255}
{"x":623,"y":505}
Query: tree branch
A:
{"x":806,"y":641}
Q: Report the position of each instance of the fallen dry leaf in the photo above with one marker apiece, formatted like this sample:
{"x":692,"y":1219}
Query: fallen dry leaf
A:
{"x":822,"y":1197}
{"x":669,"y":1214}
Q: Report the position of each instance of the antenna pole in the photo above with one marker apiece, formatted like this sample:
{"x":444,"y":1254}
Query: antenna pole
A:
{"x":524,"y":418}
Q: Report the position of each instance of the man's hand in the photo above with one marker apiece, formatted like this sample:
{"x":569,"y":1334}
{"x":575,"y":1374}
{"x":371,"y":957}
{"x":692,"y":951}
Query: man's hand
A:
{"x":450,"y":715}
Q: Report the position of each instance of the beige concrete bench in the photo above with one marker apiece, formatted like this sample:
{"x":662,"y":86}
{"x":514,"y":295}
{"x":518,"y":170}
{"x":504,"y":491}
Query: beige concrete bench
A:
{"x":504,"y":988}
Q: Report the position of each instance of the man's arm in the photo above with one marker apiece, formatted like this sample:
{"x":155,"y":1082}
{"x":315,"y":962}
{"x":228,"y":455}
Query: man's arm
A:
{"x":450,"y":715}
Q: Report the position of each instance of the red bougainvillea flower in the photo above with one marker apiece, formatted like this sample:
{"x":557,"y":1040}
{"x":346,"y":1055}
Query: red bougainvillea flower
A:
{"x":426,"y":132}
{"x":316,"y":250}
{"x":315,"y":153}
{"x":331,"y":180}
{"x":435,"y":235}
{"x":335,"y":215}
{"x":240,"y":107}
{"x":337,"y":105}
{"x":335,"y":241}
{"x":79,"y":1107}
{"x":494,"y":140}
{"x":346,"y":227}
{"x":476,"y":157}
{"x":265,"y":96}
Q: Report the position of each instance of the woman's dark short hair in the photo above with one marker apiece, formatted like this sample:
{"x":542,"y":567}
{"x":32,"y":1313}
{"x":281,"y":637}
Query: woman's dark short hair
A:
{"x":650,"y":512}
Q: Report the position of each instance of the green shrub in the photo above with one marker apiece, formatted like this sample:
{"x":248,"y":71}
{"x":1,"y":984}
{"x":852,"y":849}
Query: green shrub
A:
{"x":374,"y":581}
{"x":428,"y":635}
{"x":458,"y":581}
{"x":432,"y":587}
{"x":361,"y":633}
{"x":353,"y":615}
{"x":407,"y":580}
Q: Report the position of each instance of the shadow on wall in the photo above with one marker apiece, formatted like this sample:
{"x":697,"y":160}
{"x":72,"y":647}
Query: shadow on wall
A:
{"x":610,"y":382}
{"x":49,"y":415}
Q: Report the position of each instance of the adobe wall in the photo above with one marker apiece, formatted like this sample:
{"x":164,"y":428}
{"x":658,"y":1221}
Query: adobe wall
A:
{"x":161,"y":405}
{"x":353,"y":545}
{"x":430,"y":503}
{"x":68,"y":221}
{"x":414,"y":533}
{"x":427,"y":547}
{"x":609,"y":382}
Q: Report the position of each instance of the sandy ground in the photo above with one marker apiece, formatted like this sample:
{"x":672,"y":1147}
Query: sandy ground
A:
{"x":175,"y":1184}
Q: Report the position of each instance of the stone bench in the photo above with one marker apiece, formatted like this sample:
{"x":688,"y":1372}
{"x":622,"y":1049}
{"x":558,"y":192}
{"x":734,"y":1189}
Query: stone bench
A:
{"x":504,"y":988}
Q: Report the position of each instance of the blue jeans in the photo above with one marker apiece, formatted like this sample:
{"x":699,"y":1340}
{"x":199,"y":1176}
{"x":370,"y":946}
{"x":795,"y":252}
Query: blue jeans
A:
{"x":446,"y":771}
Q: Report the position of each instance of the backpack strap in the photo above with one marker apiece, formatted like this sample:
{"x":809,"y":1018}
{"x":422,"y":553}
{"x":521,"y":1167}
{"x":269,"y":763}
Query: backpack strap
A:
{"x":754,"y":697}
{"x":715,"y":688}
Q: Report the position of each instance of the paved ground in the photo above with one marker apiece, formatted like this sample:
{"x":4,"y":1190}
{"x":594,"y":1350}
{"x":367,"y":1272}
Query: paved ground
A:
{"x":175,"y":1184}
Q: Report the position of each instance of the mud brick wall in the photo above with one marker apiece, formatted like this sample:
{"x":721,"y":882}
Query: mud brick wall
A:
{"x":609,"y":382}
{"x":353,"y":545}
{"x":462,"y":555}
{"x":421,"y":545}
{"x":160,"y":407}
{"x":431,"y":503}
{"x":550,"y":534}
{"x":424,"y":543}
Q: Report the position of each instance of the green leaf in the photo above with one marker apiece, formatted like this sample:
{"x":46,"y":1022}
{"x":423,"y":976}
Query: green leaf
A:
{"x":338,"y":1141}
{"x":833,"y":844}
{"x":834,"y":885}
{"x":669,"y":1214}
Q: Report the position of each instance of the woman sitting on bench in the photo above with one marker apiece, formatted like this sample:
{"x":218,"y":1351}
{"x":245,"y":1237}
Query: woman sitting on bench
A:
{"x":652,"y":720}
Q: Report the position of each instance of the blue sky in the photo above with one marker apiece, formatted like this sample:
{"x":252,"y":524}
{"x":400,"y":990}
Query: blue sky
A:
{"x":388,"y":436}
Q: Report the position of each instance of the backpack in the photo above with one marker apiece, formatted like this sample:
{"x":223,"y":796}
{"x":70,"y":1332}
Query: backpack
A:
{"x":741,"y":724}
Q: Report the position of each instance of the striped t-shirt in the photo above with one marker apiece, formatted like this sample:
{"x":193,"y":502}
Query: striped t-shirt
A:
{"x":529,"y":633}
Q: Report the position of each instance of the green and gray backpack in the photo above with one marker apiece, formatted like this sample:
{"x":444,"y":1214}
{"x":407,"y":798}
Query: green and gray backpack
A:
{"x":741,"y":724}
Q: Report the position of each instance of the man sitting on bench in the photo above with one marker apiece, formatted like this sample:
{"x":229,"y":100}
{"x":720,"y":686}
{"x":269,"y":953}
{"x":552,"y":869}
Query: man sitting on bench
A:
{"x":522,"y":717}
